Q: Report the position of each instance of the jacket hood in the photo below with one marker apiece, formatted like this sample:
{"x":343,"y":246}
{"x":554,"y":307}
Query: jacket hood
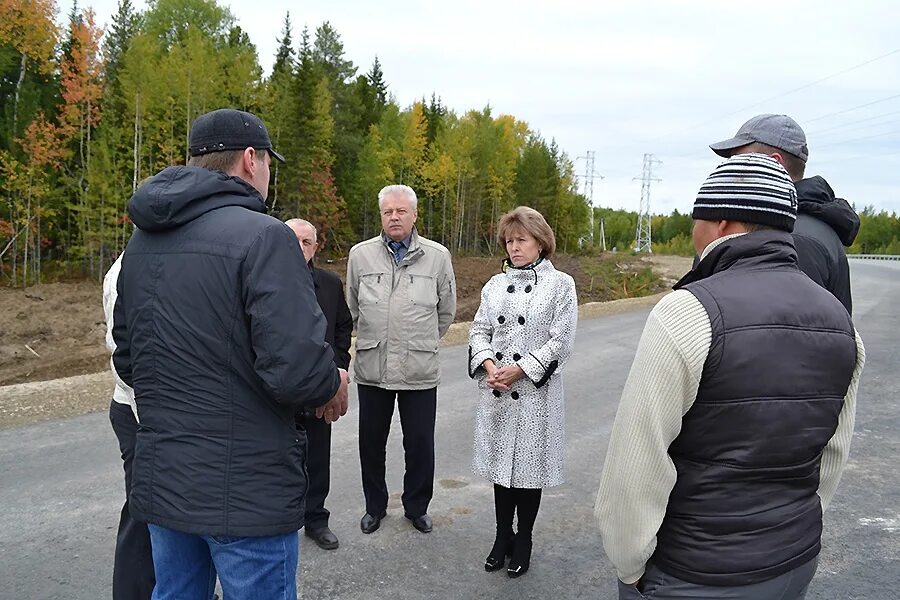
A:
{"x":178,"y":195}
{"x":816,"y":199}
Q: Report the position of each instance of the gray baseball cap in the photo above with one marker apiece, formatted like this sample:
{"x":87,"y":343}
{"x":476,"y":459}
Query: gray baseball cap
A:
{"x":778,"y":131}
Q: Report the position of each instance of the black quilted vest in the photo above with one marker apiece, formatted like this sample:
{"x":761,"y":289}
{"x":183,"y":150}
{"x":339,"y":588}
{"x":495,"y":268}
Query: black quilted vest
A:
{"x":744,"y":508}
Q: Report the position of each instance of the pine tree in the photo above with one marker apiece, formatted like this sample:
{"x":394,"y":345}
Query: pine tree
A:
{"x":123,"y":28}
{"x":328,"y":53}
{"x":309,"y":185}
{"x":376,"y":80}
{"x":277,"y":108}
{"x":320,"y":202}
{"x":346,"y":108}
{"x":298,"y":120}
{"x":434,"y":115}
{"x":284,"y":56}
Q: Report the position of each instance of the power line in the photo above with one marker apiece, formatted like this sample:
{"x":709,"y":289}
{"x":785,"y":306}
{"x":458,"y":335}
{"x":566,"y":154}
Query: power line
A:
{"x":861,"y":139}
{"x":787,"y":93}
{"x":848,"y":123}
{"x":852,"y":108}
{"x":818,"y":81}
{"x":858,"y":157}
{"x":699,"y":152}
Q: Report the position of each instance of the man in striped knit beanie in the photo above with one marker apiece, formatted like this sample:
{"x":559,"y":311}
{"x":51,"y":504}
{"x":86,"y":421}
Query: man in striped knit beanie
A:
{"x":735,"y":422}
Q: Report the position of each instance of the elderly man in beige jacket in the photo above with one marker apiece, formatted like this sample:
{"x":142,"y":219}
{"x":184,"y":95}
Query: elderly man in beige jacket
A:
{"x":402,"y":294}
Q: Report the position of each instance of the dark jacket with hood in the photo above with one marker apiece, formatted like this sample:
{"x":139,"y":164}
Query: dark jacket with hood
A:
{"x":782,"y":354}
{"x":825,"y":225}
{"x":219,"y":333}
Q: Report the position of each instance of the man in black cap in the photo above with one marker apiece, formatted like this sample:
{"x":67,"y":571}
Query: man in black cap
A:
{"x":736,"y":419}
{"x":218,"y":332}
{"x":825,"y":224}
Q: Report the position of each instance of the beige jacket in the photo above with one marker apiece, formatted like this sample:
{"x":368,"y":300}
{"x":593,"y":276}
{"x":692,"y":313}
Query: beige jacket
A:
{"x":400,"y":312}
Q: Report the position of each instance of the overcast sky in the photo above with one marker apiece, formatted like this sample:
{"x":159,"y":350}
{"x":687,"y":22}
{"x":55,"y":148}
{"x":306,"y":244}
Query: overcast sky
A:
{"x":645,"y":76}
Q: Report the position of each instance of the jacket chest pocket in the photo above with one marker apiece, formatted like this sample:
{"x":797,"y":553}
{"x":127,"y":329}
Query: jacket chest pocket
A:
{"x":373,"y":288}
{"x":421,"y":290}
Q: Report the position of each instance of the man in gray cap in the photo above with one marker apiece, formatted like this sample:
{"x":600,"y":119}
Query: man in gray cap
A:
{"x":736,"y":419}
{"x":218,"y":331}
{"x":825,"y":224}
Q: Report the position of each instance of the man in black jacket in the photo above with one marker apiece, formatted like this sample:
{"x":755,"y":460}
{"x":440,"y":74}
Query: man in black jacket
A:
{"x":825,"y":224}
{"x":218,"y":332}
{"x":330,"y":295}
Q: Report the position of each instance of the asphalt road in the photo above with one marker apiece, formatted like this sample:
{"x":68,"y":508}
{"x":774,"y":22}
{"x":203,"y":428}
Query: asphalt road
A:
{"x":61,"y":491}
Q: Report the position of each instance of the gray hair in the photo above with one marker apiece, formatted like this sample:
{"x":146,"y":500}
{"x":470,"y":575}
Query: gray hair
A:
{"x":400,"y":189}
{"x":291,"y":222}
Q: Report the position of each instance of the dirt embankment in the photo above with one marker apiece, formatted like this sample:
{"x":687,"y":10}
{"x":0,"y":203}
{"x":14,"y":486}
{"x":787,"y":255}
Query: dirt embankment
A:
{"x":50,"y":331}
{"x":54,"y":364}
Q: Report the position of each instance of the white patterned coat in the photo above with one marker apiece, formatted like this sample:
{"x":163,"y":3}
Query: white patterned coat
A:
{"x":527,"y":317}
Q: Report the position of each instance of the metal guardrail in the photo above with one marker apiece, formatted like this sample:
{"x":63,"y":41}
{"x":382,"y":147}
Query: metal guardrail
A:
{"x":875,"y":256}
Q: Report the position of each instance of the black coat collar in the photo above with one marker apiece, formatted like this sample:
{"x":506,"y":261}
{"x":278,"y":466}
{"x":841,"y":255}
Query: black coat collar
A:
{"x":767,"y":246}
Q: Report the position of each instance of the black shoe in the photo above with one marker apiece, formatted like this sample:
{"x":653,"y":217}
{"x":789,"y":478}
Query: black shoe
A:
{"x":370,"y":523}
{"x":521,"y":558}
{"x":422,"y":523}
{"x":323,"y":537}
{"x":503,"y":545}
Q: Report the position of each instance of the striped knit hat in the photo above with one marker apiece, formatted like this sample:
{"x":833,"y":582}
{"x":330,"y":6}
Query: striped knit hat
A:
{"x":751,"y":188}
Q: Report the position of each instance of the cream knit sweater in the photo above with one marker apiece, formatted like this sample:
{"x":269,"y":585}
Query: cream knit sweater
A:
{"x":639,"y":474}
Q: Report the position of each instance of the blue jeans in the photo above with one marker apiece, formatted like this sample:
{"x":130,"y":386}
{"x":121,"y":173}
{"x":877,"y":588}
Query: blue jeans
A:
{"x":248,"y":567}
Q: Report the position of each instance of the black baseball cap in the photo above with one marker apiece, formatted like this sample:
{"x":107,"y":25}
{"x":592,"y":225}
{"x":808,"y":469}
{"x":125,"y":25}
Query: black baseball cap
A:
{"x":229,"y":129}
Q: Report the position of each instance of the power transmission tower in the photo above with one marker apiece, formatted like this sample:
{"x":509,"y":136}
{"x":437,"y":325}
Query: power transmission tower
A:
{"x":642,"y":238}
{"x":589,"y":175}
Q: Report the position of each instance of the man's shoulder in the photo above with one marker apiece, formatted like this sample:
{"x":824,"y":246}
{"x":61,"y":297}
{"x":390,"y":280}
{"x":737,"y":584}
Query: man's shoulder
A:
{"x":240,"y":222}
{"x":365,"y":245}
{"x":433,"y":246}
{"x":681,"y":317}
{"x":229,"y":231}
{"x":811,"y":227}
{"x":678,"y":304}
{"x":260,"y":221}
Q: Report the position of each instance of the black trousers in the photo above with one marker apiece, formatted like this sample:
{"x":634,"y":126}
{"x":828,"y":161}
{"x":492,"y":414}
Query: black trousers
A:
{"x":318,"y":469}
{"x":133,"y":577}
{"x":418,"y":409}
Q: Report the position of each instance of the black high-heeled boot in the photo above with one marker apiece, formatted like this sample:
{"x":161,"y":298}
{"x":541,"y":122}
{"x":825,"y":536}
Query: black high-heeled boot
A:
{"x":502,"y":549}
{"x":521,"y":557}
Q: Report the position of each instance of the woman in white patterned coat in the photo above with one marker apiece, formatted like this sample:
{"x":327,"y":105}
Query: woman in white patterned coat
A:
{"x":521,"y":337}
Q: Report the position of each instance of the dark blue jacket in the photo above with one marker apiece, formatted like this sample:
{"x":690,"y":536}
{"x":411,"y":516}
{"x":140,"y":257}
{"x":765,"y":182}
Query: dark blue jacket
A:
{"x":219,"y":333}
{"x":745,"y":508}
